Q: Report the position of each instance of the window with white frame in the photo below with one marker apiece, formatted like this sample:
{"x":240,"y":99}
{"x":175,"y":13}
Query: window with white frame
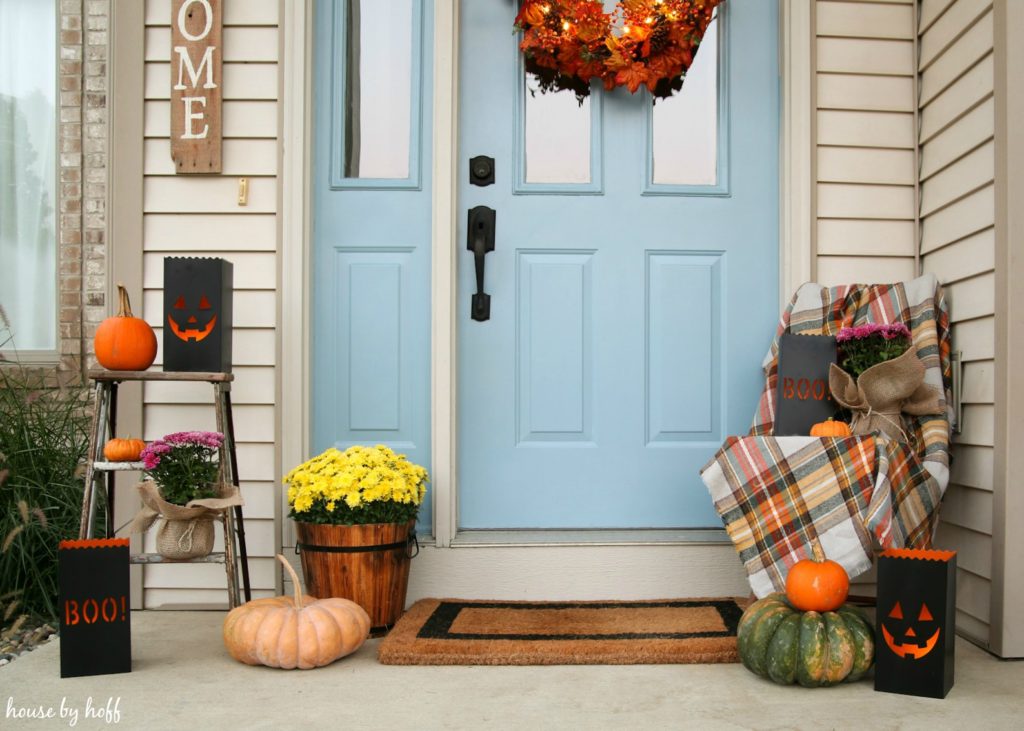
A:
{"x":28,"y":200}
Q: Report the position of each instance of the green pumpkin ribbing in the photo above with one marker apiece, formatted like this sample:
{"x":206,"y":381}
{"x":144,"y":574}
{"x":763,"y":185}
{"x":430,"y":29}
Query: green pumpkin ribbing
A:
{"x":810,"y":668}
{"x":840,"y":649}
{"x":761,"y":635}
{"x":783,"y":649}
{"x":749,"y":621}
{"x":863,"y":642}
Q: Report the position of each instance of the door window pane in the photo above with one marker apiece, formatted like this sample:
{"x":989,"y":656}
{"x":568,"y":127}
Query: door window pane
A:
{"x":557,"y":136}
{"x":378,"y":88}
{"x":28,"y":238}
{"x":685,"y":126}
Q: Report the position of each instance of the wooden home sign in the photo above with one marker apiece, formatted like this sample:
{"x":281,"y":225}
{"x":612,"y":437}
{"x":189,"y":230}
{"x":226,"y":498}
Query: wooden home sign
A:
{"x":196,"y":85}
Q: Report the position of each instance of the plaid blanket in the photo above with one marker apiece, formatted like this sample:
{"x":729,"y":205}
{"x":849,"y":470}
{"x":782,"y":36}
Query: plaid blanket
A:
{"x":776,"y":494}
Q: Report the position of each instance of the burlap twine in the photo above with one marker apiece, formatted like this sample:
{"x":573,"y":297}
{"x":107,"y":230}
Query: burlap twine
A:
{"x":883,"y":393}
{"x":179,"y":539}
{"x":186,"y":530}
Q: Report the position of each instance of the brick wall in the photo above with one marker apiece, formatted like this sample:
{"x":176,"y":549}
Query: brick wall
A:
{"x":82,"y":187}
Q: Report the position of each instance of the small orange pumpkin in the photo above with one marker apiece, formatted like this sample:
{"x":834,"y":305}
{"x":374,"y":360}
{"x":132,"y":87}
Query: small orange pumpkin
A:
{"x":818,"y":585}
{"x":123,"y":450}
{"x":301,"y":632}
{"x":125,"y":342}
{"x":830,"y":428}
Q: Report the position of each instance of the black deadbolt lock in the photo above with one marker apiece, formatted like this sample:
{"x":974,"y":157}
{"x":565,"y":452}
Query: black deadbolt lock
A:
{"x":481,"y":170}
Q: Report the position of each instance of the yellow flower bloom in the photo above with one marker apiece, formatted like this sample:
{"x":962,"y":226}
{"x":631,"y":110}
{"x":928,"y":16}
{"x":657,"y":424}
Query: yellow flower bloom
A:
{"x":357,"y":476}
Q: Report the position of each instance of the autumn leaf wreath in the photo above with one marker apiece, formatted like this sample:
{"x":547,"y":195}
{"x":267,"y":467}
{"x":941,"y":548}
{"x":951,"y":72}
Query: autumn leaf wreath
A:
{"x":651,"y":43}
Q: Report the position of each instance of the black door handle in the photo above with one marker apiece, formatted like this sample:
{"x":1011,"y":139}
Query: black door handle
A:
{"x":481,"y":241}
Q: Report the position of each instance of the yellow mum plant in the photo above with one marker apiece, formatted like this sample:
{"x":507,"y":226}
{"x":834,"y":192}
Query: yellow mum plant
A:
{"x":358,"y":486}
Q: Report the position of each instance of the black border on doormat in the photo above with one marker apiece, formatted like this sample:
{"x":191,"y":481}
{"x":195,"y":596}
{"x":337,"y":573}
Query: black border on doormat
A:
{"x":439,"y":623}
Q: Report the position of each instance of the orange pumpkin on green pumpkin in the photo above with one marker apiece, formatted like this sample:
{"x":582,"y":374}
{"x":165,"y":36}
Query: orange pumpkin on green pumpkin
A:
{"x":817,"y":584}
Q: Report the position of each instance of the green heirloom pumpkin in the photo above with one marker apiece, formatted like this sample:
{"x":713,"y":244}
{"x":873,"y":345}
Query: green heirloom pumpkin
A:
{"x":814,"y":649}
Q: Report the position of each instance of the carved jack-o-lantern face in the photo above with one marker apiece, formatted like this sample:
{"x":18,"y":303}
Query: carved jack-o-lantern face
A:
{"x":918,"y":637}
{"x":187,"y":324}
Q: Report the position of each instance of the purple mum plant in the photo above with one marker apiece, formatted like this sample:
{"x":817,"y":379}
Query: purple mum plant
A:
{"x":868,"y":345}
{"x":185,"y":465}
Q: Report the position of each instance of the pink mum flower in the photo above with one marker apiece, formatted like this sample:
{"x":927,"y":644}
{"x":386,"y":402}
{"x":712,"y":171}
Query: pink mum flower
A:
{"x":151,"y":454}
{"x":888,"y":331}
{"x":210,"y":439}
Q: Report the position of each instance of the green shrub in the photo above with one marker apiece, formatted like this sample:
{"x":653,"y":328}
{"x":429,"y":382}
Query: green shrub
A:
{"x":43,"y":440}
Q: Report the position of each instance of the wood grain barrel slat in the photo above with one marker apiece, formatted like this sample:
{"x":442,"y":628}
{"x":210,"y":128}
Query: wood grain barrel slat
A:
{"x":376,"y":580}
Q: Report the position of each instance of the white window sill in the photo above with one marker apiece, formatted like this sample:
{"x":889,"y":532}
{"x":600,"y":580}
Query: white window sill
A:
{"x":38,"y":358}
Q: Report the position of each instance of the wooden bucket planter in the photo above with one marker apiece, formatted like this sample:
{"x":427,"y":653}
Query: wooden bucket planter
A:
{"x":368,"y":564}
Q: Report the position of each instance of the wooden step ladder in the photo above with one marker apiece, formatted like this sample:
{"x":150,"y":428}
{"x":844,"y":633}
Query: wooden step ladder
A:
{"x":97,"y":470}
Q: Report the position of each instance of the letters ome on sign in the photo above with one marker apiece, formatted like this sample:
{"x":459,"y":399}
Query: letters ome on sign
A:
{"x":196,"y":85}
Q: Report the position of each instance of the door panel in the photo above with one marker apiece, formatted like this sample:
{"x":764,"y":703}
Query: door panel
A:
{"x":630,"y":308}
{"x":683,"y":354}
{"x":555,"y":352}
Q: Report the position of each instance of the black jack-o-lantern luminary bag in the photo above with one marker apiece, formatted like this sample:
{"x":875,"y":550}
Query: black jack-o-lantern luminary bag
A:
{"x":197,"y":314}
{"x":916,"y":622}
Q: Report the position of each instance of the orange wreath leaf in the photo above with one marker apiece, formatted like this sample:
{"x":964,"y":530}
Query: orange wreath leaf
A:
{"x":632,"y":77}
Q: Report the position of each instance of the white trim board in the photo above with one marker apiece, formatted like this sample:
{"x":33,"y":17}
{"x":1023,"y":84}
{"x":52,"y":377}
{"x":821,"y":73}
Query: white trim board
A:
{"x":537,"y":571}
{"x":444,"y":347}
{"x":797,"y":139}
{"x":294,"y":221}
{"x":578,"y":572}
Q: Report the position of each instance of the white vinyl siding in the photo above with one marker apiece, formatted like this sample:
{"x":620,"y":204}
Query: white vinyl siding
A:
{"x":958,"y":245}
{"x":868,"y":85}
{"x":865,"y":175}
{"x":200,"y":216}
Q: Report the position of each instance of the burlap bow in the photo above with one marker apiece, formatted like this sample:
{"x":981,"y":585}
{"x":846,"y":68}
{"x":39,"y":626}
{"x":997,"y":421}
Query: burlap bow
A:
{"x":154,"y":506}
{"x":883,"y":393}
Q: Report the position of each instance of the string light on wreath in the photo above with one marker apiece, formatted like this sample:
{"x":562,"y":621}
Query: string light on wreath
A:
{"x":650,"y":43}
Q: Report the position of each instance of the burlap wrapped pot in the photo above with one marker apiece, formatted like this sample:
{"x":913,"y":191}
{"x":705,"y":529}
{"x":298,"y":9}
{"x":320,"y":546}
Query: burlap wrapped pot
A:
{"x":183,"y":539}
{"x":186,"y":531}
{"x":883,"y":393}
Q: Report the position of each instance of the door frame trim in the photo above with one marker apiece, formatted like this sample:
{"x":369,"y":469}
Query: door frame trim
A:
{"x":796,"y":55}
{"x":443,"y":289}
{"x":295,"y":191}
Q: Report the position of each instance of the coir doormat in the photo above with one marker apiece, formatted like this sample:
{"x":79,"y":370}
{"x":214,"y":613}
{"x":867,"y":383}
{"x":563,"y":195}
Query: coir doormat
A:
{"x":460,"y":632}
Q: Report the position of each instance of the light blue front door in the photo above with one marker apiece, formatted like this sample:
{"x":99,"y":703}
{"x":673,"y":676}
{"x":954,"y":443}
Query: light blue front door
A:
{"x":370,"y":264}
{"x":633,"y":284}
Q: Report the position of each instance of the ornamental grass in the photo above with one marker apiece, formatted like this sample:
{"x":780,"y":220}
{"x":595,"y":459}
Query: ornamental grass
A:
{"x":44,"y":426}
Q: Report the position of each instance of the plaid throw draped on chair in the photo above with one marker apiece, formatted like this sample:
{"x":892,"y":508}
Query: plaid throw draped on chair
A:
{"x":776,"y":494}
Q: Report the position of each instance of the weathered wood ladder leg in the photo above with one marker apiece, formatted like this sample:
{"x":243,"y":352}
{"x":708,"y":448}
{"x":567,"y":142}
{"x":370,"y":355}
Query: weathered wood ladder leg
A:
{"x":229,"y":421}
{"x":100,"y":419}
{"x":235,"y":556}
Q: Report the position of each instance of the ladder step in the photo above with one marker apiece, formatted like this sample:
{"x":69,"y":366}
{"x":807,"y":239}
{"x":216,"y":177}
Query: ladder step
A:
{"x":157,"y":558}
{"x":118,"y":466}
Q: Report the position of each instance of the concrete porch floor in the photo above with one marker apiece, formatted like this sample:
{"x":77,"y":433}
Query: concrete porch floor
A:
{"x":182,"y":678}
